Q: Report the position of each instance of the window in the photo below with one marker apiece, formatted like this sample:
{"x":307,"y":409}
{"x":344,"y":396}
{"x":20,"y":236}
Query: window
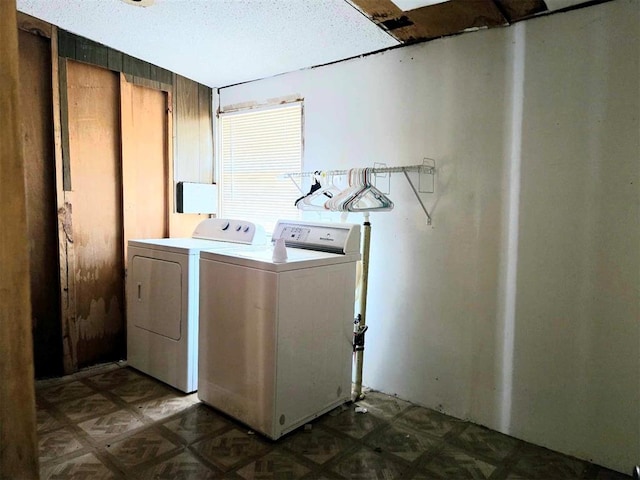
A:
{"x":255,"y":148}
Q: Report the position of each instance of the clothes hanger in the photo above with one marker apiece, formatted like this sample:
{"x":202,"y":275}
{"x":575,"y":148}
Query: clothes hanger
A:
{"x":337,"y":202}
{"x":314,"y":186}
{"x":316,"y":200}
{"x":369,"y":198}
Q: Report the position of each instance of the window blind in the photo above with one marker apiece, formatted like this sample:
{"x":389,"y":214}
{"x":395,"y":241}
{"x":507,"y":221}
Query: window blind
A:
{"x":255,"y":148}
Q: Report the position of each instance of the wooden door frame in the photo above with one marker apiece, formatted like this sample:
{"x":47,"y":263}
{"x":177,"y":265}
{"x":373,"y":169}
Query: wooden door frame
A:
{"x":65,"y":229}
{"x":19,"y":452}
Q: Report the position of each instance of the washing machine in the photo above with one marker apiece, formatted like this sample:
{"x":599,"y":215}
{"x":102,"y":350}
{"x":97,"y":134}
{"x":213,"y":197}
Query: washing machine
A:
{"x":276,"y":337}
{"x":162,"y":298}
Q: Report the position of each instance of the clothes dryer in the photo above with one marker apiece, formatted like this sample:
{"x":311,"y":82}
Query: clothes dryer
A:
{"x":162,"y":286}
{"x":276,"y":337}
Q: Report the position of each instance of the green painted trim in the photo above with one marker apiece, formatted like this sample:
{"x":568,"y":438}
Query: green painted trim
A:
{"x":64,"y":124}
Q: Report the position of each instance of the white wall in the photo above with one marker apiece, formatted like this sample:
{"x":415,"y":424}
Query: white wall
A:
{"x":519,"y":307}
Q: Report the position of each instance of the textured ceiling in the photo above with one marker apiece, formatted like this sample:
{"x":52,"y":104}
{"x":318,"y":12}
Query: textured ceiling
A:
{"x":224,"y":42}
{"x":221,"y":42}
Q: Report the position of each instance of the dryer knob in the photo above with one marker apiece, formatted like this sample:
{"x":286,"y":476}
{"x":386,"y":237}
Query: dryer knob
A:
{"x":238,"y":228}
{"x":246,"y":228}
{"x":225,"y":226}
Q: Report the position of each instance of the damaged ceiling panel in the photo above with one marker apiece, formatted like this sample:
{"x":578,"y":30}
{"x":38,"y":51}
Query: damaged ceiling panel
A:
{"x":429,"y":19}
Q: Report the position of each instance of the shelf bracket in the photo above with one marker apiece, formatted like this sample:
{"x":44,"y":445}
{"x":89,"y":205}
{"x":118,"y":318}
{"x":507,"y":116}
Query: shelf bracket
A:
{"x":298,"y":185}
{"x":415,"y":192}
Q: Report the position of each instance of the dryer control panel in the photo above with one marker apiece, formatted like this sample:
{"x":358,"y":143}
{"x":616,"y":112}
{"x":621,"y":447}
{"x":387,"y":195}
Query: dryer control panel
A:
{"x":339,"y":238}
{"x":229,"y":230}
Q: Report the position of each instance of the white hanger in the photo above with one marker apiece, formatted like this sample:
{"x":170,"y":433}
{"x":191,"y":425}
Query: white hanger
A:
{"x":317,"y":199}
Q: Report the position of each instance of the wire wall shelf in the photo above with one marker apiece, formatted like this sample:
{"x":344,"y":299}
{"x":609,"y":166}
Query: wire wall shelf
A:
{"x":381,"y":175}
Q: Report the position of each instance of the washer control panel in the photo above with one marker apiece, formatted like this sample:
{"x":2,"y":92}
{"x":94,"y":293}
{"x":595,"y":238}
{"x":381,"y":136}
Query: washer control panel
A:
{"x":327,"y":237}
{"x":229,"y":230}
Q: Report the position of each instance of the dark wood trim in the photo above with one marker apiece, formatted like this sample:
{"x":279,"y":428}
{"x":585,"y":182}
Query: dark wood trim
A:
{"x":516,"y":10}
{"x":145,"y":82}
{"x":64,"y":123}
{"x":34,"y":25}
{"x":82,"y":49}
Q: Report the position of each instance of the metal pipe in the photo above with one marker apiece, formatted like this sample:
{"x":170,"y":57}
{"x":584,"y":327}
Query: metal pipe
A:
{"x":357,"y":391}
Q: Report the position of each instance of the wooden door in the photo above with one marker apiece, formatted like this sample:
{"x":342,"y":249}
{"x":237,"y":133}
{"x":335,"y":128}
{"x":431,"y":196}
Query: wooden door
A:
{"x":95,"y":199}
{"x":144,"y":114}
{"x":37,"y":141}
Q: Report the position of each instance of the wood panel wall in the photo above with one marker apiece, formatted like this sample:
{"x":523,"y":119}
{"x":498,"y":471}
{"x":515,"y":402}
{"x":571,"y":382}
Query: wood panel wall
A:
{"x":193,"y":146}
{"x":37,"y":140}
{"x":193,"y":130}
{"x":93,"y":96}
{"x":87,"y":327}
{"x":145,"y":165}
{"x":18,"y":445}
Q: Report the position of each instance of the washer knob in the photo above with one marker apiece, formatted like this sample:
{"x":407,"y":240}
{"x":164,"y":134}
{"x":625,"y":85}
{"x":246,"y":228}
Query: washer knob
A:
{"x":225,"y":226}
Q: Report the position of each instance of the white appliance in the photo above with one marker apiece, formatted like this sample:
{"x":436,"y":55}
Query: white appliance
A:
{"x":276,"y":337}
{"x":162,"y":298}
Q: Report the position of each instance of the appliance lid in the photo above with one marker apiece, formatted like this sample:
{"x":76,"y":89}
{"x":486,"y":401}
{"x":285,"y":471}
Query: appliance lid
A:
{"x":339,"y":238}
{"x":186,"y":246}
{"x":261,"y":258}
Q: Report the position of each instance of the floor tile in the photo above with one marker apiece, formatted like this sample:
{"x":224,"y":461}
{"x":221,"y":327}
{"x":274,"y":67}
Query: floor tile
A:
{"x":106,"y":427}
{"x":87,"y":407}
{"x":66,"y":391}
{"x":538,"y":462}
{"x":452,"y":462}
{"x":273,"y":466}
{"x":140,"y":388}
{"x":231,"y":448}
{"x":57,"y":443}
{"x":114,"y":378}
{"x":404,"y":443}
{"x":140,"y":447}
{"x":606,"y":474}
{"x":183,"y":466}
{"x":354,"y":424}
{"x":365,"y":464}
{"x":429,"y":421}
{"x":322,"y":476}
{"x":317,"y":444}
{"x":197,"y":422}
{"x":486,"y":443}
{"x":382,"y":405}
{"x":115,"y":422}
{"x":85,"y":467}
{"x":45,"y":421}
{"x":163,"y":407}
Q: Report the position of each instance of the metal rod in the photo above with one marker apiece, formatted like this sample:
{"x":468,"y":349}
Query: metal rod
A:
{"x":357,"y":391}
{"x":407,"y":168}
